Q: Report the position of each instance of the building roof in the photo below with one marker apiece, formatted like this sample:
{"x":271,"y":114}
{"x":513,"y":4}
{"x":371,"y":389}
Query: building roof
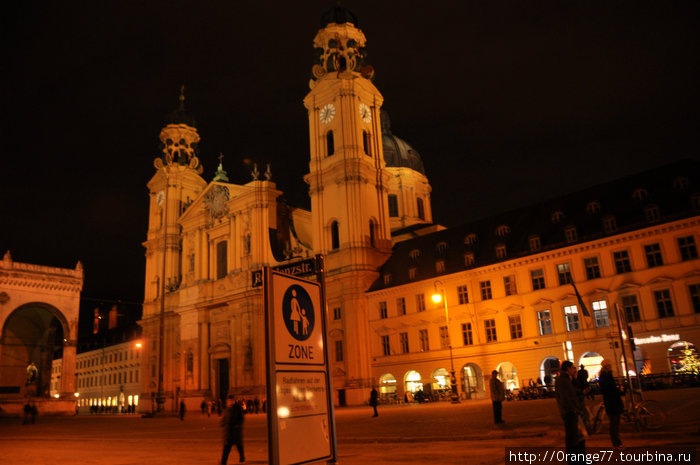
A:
{"x":397,"y":152}
{"x":657,"y":196}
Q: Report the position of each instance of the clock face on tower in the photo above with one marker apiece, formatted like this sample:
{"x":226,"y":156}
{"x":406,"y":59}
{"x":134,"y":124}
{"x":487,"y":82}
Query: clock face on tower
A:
{"x":327,"y":113}
{"x":365,"y":113}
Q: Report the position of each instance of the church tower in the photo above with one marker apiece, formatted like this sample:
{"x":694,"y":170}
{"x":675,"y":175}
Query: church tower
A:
{"x":348,"y":189}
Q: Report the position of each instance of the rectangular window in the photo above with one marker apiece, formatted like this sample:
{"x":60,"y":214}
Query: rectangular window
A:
{"x":663,"y":303}
{"x":535,"y":243}
{"x":339,"y":351}
{"x":386,"y":350}
{"x":382,"y":310}
{"x":686,"y":246}
{"x":423,"y":340}
{"x":500,"y":251}
{"x":509,"y":285}
{"x":653,"y":254}
{"x":622,"y":262}
{"x":468,"y":259}
{"x":544,"y":322}
{"x":462,"y":295}
{"x":694,"y":290}
{"x":412,"y":273}
{"x":564,"y":273}
{"x":444,"y":338}
{"x":516,"y":327}
{"x":490,"y":326}
{"x":393,"y":206}
{"x":403,"y":340}
{"x":337,"y":313}
{"x":537,"y":279}
{"x":485,"y":290}
{"x":600,"y":313}
{"x":221,"y":257}
{"x":401,"y":306}
{"x":571,"y":314}
{"x":420,"y":302}
{"x":631,"y":307}
{"x":570,"y":234}
{"x":467,"y":338}
{"x":592,"y":267}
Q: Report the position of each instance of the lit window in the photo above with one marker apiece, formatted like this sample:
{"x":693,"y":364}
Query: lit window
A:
{"x":564,"y":274}
{"x":600,"y":313}
{"x":571,"y":313}
{"x":544,"y":322}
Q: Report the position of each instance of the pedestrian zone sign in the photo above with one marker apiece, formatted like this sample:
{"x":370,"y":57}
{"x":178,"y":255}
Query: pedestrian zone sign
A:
{"x":300,"y":424}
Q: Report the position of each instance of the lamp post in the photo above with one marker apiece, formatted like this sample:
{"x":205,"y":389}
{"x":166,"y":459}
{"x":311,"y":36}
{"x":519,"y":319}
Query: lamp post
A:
{"x":437,"y":297}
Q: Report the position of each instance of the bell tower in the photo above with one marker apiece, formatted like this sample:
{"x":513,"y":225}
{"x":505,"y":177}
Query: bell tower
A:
{"x":176,"y":183}
{"x":348,"y":188}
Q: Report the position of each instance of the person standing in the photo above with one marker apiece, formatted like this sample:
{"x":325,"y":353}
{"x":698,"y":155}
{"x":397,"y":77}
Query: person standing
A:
{"x":233,"y":430}
{"x":498,"y":395}
{"x":612,"y":399}
{"x":182,"y":410}
{"x":570,"y":408}
{"x":373,"y":400}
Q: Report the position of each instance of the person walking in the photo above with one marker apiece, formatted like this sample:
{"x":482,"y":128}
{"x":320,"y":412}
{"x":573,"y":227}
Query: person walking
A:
{"x":498,"y":395}
{"x":233,"y":430}
{"x":570,"y":408}
{"x":373,"y":400}
{"x":612,"y":399}
{"x":182,"y":410}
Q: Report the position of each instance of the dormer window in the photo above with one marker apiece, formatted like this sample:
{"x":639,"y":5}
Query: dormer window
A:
{"x":468,"y":259}
{"x":557,"y":216}
{"x":695,"y":201}
{"x":651,"y":213}
{"x":535,"y":243}
{"x":500,"y":250}
{"x":413,"y":256}
{"x":570,"y":234}
{"x":387,"y":279}
{"x":640,"y":194}
{"x":470,"y":239}
{"x":680,"y":183}
{"x":502,"y":230}
{"x":412,"y":273}
{"x":441,"y":249}
{"x":609,"y":224}
{"x":592,"y":208}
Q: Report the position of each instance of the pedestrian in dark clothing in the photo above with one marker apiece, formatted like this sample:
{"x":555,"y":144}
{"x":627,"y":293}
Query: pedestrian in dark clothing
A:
{"x":612,"y":399}
{"x":498,"y":395}
{"x":256,"y":403}
{"x":203,"y":407}
{"x":182,"y":410}
{"x":373,"y":400}
{"x":27,"y":412}
{"x":233,"y":430}
{"x":570,"y":407}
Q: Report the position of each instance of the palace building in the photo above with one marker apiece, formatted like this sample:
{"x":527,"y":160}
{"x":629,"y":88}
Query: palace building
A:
{"x":507,"y":279}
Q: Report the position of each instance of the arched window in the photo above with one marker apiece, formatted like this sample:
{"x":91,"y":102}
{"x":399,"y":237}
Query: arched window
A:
{"x":502,"y":230}
{"x":421,"y":209}
{"x":330,"y":145}
{"x":592,"y":207}
{"x":470,"y":239}
{"x":365,"y":142}
{"x":640,"y":194}
{"x":680,"y":183}
{"x":372,"y":232}
{"x":557,"y":216}
{"x":335,"y":236}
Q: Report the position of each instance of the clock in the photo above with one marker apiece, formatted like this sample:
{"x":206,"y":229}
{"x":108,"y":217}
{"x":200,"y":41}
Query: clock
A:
{"x":160,"y":197}
{"x":327,"y":113}
{"x":365,"y":113}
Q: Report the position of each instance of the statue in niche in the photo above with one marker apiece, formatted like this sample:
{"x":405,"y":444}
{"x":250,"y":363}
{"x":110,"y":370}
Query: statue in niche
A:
{"x":32,"y":373}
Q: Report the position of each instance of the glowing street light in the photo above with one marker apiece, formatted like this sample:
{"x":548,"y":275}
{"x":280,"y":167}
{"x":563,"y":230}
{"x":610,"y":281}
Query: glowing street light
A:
{"x":438,"y":296}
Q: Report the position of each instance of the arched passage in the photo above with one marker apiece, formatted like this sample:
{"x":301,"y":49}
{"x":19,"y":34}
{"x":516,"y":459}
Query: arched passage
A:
{"x":32,"y":336}
{"x":472,"y":380}
{"x":591,"y":363}
{"x":509,"y":375}
{"x":548,"y":368}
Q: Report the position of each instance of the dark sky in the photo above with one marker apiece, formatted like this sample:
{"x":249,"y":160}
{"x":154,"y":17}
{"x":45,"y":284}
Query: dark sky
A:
{"x":508,"y":103}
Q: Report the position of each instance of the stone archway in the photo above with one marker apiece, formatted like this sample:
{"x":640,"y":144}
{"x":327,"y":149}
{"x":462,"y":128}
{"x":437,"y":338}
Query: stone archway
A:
{"x":32,"y":336}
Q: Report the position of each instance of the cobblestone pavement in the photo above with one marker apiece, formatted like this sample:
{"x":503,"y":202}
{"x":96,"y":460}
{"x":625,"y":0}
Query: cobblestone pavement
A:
{"x":439,"y":433}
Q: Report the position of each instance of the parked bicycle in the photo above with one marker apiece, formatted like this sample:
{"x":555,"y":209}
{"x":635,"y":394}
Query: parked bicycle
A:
{"x":647,"y":414}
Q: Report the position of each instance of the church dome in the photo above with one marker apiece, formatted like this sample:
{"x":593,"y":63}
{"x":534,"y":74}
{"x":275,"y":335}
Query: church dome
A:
{"x":338,"y":15}
{"x":397,"y":152}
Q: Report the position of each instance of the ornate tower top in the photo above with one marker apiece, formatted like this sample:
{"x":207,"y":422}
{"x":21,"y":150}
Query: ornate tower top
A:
{"x":179,"y":139}
{"x":339,"y":46}
{"x":221,"y":174}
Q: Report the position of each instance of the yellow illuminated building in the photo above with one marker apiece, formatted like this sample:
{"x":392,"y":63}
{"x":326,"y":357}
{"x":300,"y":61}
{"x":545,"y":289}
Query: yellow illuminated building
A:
{"x":371,"y":217}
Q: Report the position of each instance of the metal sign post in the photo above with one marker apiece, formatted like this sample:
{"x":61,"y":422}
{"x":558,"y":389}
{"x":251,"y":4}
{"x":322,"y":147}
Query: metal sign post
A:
{"x":301,"y":427}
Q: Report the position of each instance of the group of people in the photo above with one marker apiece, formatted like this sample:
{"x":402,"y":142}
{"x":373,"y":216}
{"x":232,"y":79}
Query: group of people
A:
{"x":30,"y":413}
{"x":248,"y":405}
{"x":571,"y":388}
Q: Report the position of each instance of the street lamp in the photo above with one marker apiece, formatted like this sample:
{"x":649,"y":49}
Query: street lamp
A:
{"x":437,"y":297}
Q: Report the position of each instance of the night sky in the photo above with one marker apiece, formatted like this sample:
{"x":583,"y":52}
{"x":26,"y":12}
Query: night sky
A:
{"x":508,"y":103}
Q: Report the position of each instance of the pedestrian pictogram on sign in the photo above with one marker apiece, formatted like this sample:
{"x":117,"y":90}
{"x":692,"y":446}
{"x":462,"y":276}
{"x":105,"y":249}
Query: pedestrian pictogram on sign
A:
{"x":298,"y":312}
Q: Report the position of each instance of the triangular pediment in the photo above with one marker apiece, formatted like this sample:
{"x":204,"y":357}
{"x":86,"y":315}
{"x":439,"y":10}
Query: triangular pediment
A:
{"x":214,"y":191}
{"x":627,"y":285}
{"x":512,"y":308}
{"x":542,"y":303}
{"x":488,"y":311}
{"x":692,"y":274}
{"x":659,"y":280}
{"x":596,"y":292}
{"x":567,"y":296}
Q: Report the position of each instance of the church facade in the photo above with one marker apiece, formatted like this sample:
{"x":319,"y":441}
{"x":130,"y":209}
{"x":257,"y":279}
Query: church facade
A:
{"x":371,"y":218}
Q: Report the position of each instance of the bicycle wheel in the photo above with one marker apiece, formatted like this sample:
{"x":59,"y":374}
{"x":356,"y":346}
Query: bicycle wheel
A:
{"x":651,"y":415}
{"x":598,"y":419}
